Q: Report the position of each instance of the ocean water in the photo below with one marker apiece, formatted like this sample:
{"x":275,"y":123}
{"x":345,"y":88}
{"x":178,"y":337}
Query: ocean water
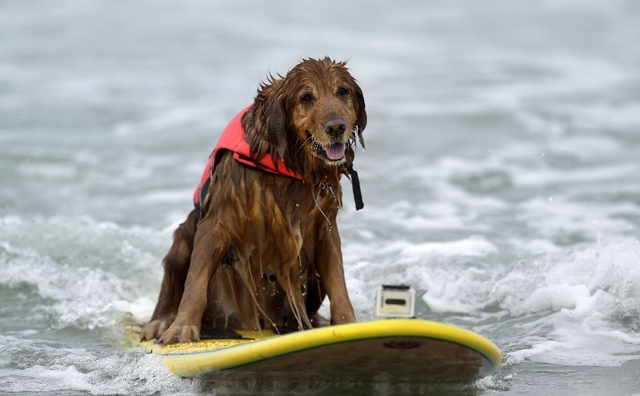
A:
{"x":501,"y":177}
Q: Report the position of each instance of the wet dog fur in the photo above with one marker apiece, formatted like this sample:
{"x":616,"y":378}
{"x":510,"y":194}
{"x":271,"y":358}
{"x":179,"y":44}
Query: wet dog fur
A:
{"x":264,"y":251}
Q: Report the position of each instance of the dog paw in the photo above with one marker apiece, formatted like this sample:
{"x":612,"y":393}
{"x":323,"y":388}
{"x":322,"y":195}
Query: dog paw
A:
{"x":154,"y":329}
{"x":177,"y":334}
{"x":318,"y":320}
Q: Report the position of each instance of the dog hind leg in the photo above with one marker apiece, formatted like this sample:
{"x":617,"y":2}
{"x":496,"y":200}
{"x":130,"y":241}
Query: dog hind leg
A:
{"x":176,"y":266}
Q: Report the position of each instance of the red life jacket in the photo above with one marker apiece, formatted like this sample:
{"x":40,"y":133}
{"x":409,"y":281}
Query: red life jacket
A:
{"x":234,"y":139}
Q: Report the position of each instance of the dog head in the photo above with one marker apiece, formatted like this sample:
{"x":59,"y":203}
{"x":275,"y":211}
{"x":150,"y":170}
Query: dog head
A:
{"x":316,"y":112}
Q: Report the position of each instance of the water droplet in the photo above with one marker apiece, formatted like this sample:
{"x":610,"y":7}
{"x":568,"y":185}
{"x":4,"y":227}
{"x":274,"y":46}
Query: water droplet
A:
{"x":550,"y":199}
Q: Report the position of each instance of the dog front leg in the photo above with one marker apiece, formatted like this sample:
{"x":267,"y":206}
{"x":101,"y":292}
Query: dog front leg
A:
{"x":331,"y":272}
{"x":208,"y":251}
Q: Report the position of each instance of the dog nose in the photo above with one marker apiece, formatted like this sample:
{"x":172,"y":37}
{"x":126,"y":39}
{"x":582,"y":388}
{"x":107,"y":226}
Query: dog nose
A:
{"x":335,"y":128}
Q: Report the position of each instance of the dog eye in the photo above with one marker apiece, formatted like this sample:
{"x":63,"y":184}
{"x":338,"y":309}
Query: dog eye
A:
{"x":306,"y":98}
{"x":342,"y":91}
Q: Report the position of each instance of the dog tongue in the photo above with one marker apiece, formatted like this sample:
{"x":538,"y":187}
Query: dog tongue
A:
{"x":335,"y":151}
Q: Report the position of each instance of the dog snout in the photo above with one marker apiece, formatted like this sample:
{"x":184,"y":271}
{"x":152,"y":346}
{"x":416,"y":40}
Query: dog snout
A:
{"x":335,"y":127}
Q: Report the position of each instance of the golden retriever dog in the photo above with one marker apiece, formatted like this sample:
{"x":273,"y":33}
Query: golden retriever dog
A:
{"x":262,"y":249}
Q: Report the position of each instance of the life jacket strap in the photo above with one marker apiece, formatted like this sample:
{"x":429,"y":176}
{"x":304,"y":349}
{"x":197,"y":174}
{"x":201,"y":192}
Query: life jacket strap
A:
{"x":355,"y":184}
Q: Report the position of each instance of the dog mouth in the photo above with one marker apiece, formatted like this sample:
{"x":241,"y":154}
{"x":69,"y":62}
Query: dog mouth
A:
{"x":332,"y":153}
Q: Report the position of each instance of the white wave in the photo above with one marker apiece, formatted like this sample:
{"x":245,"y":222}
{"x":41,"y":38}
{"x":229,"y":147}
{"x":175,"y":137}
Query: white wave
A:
{"x":589,"y":302}
{"x":74,"y":369}
{"x":569,"y":281}
{"x":81,"y":271}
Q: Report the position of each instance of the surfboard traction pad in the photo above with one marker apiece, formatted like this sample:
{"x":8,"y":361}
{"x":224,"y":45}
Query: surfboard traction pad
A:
{"x":392,"y":350}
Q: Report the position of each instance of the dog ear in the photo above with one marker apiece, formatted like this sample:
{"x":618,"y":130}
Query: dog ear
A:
{"x":361,"y":114}
{"x":276,"y":124}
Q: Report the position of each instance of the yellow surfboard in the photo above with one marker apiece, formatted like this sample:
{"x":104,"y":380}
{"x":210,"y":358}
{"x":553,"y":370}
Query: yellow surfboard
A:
{"x":391,"y":350}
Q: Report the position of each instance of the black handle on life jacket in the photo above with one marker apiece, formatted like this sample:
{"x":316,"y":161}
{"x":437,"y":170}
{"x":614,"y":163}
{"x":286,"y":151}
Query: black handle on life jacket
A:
{"x":355,"y":183}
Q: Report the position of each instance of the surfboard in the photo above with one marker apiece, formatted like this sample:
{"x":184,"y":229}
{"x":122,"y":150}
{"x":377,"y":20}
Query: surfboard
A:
{"x":391,"y":350}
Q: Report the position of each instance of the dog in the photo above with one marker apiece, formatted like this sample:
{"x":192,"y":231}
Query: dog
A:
{"x":261,"y":249}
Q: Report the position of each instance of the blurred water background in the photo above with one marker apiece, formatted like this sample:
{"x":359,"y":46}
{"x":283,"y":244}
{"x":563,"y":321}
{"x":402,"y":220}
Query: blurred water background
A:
{"x":501,"y":177}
